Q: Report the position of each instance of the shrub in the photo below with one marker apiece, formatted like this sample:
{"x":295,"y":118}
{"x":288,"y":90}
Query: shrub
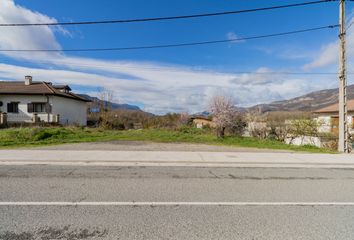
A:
{"x":117,"y":125}
{"x":303,"y":127}
{"x":281,"y":125}
{"x":192,"y":130}
{"x":237,"y":128}
{"x":42,"y":135}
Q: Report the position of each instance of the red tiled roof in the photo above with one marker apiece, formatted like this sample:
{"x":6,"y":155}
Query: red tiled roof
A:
{"x":201,"y":117}
{"x":334,"y":108}
{"x":36,"y":88}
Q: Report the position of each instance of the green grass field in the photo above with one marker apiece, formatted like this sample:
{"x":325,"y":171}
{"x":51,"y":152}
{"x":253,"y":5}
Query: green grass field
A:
{"x":28,"y":137}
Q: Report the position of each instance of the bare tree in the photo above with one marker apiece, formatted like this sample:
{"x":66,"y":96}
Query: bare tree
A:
{"x":225,"y":115}
{"x":183,"y":118}
{"x":106,"y":98}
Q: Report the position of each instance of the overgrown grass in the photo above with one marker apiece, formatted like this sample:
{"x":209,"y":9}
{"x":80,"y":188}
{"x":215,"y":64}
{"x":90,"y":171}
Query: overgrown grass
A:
{"x":25,"y":137}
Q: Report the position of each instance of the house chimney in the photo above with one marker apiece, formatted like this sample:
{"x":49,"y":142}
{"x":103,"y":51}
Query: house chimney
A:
{"x":28,"y":80}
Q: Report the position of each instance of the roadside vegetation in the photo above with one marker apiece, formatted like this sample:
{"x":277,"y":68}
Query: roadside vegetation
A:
{"x":230,"y":127}
{"x":42,"y":136}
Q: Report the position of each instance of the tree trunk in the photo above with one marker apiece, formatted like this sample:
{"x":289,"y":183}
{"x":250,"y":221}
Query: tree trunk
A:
{"x":221,"y":132}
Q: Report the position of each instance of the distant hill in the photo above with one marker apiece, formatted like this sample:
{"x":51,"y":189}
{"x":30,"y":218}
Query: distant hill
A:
{"x":203,"y":114}
{"x":114,"y":106}
{"x":308,"y":102}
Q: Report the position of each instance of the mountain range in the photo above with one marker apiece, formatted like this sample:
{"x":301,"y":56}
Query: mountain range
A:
{"x":308,"y":102}
{"x":114,"y":106}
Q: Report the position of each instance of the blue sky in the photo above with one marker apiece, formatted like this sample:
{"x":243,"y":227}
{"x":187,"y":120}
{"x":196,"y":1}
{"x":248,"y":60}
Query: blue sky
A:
{"x":175,"y":79}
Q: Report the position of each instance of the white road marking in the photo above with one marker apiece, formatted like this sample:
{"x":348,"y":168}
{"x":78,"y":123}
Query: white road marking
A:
{"x":176,"y":203}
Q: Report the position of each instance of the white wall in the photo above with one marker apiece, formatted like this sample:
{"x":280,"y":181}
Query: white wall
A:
{"x":304,"y":140}
{"x":325,"y":121}
{"x":23,"y":115}
{"x":70,"y":111}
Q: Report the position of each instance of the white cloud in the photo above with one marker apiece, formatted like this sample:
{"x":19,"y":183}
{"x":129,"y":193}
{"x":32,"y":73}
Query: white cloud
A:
{"x":329,"y":53}
{"x":232,"y":36}
{"x":328,"y":56}
{"x":160,"y":87}
{"x":261,"y":76}
{"x":39,"y":37}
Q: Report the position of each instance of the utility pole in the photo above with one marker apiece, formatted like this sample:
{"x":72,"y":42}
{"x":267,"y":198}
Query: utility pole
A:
{"x":343,"y":114}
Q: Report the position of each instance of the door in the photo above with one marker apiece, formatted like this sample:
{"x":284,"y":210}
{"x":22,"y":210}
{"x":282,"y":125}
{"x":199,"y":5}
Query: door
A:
{"x":334,"y":125}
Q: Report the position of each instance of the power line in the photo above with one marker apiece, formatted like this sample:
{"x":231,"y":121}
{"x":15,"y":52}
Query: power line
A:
{"x":173,"y":45}
{"x":350,"y":25}
{"x":169,"y":69}
{"x":175,"y":69}
{"x":168,"y":17}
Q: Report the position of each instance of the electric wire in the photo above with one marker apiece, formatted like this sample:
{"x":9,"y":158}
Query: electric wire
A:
{"x":174,"y":44}
{"x":167,"y":17}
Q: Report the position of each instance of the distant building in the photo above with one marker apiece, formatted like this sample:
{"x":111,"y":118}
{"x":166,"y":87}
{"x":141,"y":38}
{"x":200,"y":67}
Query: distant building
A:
{"x":202,"y":121}
{"x":30,"y":101}
{"x":328,"y":116}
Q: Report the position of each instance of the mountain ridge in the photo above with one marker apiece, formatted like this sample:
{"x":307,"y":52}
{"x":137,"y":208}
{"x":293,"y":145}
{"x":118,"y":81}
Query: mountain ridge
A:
{"x":114,"y":106}
{"x":308,"y":102}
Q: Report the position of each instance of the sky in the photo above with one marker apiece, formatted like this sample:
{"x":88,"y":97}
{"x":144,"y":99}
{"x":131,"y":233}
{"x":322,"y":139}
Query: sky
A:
{"x":175,"y":79}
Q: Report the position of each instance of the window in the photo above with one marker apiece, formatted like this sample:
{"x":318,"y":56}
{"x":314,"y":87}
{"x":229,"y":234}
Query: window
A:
{"x":39,"y":108}
{"x":12,"y":107}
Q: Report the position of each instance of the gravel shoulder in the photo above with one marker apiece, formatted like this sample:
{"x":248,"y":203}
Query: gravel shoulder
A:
{"x":151,"y":146}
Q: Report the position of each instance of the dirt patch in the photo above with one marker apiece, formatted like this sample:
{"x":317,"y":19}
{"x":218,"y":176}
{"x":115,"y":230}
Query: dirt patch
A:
{"x":152,"y":146}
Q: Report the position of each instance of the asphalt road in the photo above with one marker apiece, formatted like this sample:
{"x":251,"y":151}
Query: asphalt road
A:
{"x":55,"y":189}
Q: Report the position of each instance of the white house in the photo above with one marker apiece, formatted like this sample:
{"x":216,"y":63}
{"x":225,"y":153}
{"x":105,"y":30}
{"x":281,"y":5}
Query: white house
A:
{"x":30,"y":101}
{"x":328,"y":117}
